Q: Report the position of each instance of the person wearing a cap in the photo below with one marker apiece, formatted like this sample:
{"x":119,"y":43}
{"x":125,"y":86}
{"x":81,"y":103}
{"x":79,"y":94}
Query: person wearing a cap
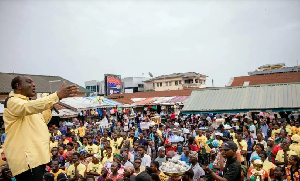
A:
{"x":161,"y":155}
{"x":267,"y":165}
{"x":198,"y":171}
{"x":270,"y":148}
{"x":94,"y":167}
{"x":232,"y":170}
{"x":295,"y":145}
{"x":219,"y":136}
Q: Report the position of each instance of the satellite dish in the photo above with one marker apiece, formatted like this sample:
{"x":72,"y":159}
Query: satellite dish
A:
{"x":151,"y":75}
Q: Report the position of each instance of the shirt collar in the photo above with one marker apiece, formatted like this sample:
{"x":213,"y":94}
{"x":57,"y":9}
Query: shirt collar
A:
{"x":19,"y":96}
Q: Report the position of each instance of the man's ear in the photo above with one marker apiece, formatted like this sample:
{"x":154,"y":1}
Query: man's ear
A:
{"x":18,"y":85}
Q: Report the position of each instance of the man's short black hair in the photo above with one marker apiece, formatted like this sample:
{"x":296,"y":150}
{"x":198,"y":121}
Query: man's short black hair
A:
{"x":70,"y":144}
{"x":77,"y":154}
{"x":189,"y":173}
{"x":15,"y":81}
{"x":141,"y":146}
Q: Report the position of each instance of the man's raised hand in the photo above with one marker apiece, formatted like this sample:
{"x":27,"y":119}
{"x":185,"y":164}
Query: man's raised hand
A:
{"x":69,"y":91}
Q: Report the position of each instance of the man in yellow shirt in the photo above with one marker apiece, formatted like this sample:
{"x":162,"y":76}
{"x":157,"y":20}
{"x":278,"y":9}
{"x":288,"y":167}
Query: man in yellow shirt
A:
{"x":108,"y":157}
{"x":55,"y":169}
{"x":53,"y":143}
{"x":81,"y":131}
{"x":283,"y":155}
{"x":115,"y":144}
{"x":242,"y":145}
{"x":91,"y":148}
{"x":200,"y":139}
{"x":27,"y":143}
{"x":275,"y":131}
{"x":94,"y":168}
{"x":77,"y":169}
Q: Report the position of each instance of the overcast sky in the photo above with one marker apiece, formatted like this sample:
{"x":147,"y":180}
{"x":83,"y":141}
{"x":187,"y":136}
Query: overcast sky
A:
{"x":83,"y":40}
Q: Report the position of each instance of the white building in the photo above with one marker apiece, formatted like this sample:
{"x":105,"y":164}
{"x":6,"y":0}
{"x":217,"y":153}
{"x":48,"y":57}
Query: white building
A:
{"x":96,"y":87}
{"x":133,"y":84}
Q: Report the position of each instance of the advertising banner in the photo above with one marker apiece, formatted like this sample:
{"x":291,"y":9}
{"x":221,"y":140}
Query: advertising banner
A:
{"x":113,"y":84}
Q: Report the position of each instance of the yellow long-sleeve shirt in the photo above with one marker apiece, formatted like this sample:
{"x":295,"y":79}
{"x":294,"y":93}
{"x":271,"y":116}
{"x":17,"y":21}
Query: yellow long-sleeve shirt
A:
{"x":27,"y":141}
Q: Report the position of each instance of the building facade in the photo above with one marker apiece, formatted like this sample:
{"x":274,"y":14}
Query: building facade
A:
{"x":95,"y":87}
{"x":176,"y":81}
{"x":133,"y":84}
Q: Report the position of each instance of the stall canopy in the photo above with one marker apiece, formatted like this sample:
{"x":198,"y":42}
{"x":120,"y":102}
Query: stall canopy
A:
{"x":81,"y":103}
{"x":262,"y":98}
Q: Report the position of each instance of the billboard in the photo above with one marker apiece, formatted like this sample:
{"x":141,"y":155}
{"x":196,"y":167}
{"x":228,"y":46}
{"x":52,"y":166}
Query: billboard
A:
{"x":113,"y":84}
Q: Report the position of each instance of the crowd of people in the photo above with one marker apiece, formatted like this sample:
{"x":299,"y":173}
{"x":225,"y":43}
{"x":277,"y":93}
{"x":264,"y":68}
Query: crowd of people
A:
{"x":123,"y":151}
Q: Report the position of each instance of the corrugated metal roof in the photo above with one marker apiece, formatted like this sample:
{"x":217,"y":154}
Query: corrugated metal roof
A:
{"x":41,"y":82}
{"x":263,"y":97}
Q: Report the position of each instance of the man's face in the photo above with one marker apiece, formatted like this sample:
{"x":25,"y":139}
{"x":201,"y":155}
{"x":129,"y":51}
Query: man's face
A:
{"x":108,"y":151}
{"x":137,"y":164}
{"x":228,"y":153}
{"x":54,"y":165}
{"x":75,"y":158}
{"x":90,"y":141}
{"x":285,"y":144}
{"x":69,"y":148}
{"x":54,"y":151}
{"x":239,"y":137}
{"x":278,"y":172}
{"x":63,"y":137}
{"x":186,"y":150}
{"x":153,"y":167}
{"x":61,"y":150}
{"x":26,"y":86}
{"x":84,"y":141}
{"x":270,"y":143}
{"x":161,"y":153}
{"x":141,"y":151}
{"x":297,"y":123}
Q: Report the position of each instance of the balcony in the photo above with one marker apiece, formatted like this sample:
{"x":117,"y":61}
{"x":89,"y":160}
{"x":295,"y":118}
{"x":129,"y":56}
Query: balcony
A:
{"x":186,"y":86}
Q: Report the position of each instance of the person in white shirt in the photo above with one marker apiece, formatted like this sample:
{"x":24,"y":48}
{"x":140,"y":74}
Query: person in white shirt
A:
{"x":252,"y":128}
{"x":146,"y":159}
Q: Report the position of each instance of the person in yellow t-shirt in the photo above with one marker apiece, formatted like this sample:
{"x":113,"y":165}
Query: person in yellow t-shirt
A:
{"x":200,"y":139}
{"x":275,"y":131}
{"x":267,"y":165}
{"x":295,"y":145}
{"x":232,"y":133}
{"x":77,"y":169}
{"x":242,"y":145}
{"x":53,"y":143}
{"x":109,"y":157}
{"x":295,"y":129}
{"x":280,"y":157}
{"x":55,"y":169}
{"x":94,"y":168}
{"x":81,"y":130}
{"x":115,"y":143}
{"x":91,"y":148}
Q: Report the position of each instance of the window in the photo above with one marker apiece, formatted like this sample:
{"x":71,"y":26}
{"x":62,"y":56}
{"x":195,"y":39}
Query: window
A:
{"x":170,"y":83}
{"x":153,"y":85}
{"x":140,"y":85}
{"x":176,"y":82}
{"x":200,"y":81}
{"x":196,"y":81}
{"x":166,"y":83}
{"x":160,"y":84}
{"x":157,"y":84}
{"x":180,"y":82}
{"x":88,"y":87}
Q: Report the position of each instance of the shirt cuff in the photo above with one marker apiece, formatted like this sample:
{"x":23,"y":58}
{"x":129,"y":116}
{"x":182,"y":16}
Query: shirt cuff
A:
{"x":53,"y":97}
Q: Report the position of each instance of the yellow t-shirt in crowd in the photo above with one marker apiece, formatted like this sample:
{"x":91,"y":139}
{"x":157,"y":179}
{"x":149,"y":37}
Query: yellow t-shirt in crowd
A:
{"x":159,"y":132}
{"x":280,"y":155}
{"x":274,"y":132}
{"x":115,"y":145}
{"x":55,"y":144}
{"x":81,"y":131}
{"x":81,"y":170}
{"x":105,"y":159}
{"x":200,"y":140}
{"x":94,"y":167}
{"x":75,"y":131}
{"x":92,"y":149}
{"x":296,"y":148}
{"x":268,"y":166}
{"x":66,"y":142}
{"x":242,"y":146}
{"x":295,"y":130}
{"x":57,"y":173}
{"x":220,"y":143}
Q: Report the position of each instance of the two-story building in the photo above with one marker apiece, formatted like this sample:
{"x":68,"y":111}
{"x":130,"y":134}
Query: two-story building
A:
{"x":176,"y":81}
